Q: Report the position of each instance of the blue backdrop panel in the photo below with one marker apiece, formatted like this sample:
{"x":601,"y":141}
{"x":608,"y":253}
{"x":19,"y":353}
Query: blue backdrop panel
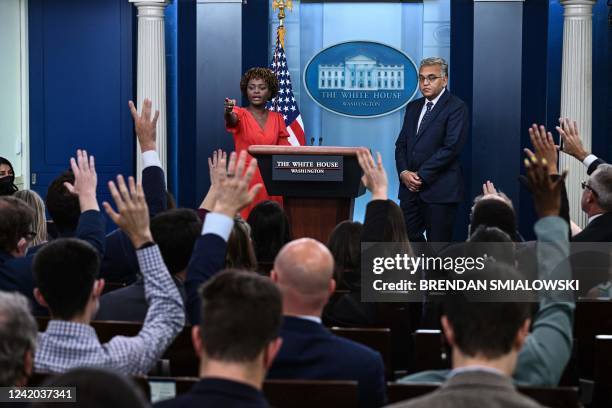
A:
{"x":184,"y":167}
{"x":537,"y":79}
{"x":461,"y":84}
{"x":219,"y":69}
{"x":496,"y":110}
{"x":80,"y":82}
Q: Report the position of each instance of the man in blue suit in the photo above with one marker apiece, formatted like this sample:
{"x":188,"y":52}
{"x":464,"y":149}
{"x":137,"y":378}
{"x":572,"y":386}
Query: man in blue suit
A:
{"x":427,"y":156}
{"x":303,"y":271}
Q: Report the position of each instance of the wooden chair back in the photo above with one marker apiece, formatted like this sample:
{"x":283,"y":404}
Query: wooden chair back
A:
{"x":593,"y":317}
{"x":430,"y":351}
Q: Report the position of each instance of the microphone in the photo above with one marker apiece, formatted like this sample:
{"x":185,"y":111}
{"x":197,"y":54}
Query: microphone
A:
{"x":312,"y":141}
{"x":320,"y":140}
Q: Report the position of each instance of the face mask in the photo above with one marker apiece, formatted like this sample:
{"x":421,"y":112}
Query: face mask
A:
{"x":6,"y":185}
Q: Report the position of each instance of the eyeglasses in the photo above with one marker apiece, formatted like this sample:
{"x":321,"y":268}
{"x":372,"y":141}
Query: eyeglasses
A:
{"x":429,"y":79}
{"x":585,"y":185}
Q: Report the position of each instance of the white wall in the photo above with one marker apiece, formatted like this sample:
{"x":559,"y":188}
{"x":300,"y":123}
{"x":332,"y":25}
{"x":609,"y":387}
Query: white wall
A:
{"x":13,"y":84}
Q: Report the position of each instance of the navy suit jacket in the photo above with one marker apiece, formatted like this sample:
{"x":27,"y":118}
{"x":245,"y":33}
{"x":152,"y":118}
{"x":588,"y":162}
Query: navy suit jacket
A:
{"x":207,"y":259}
{"x":217,"y":392}
{"x":598,"y":230}
{"x":16,"y":273}
{"x":129,"y":304}
{"x":434,"y":152}
{"x":311,"y":352}
{"x":119,"y":263}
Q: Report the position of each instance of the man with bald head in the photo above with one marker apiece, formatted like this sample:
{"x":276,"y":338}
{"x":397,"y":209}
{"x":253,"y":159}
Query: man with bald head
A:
{"x":303,"y":271}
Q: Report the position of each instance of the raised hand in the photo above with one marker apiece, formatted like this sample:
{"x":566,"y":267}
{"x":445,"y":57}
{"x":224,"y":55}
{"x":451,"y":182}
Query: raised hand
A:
{"x":374,"y":175}
{"x":85,"y":180}
{"x":217,"y":169}
{"x":572,"y":144}
{"x":546,"y":192}
{"x":233,"y":193}
{"x":145,"y":126}
{"x":132,"y":214}
{"x":544,"y":146}
{"x":488,"y":188}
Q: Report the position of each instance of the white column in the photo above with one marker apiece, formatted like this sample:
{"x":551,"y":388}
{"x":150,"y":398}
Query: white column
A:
{"x":151,"y":69}
{"x":576,"y":91}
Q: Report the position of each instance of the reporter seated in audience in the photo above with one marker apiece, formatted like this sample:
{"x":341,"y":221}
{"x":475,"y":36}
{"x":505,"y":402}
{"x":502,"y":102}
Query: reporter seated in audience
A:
{"x":384,"y":222}
{"x":7,"y":178}
{"x":485,"y":339}
{"x":18,"y":333}
{"x":345,"y":246}
{"x":347,"y":309}
{"x":66,"y":272}
{"x":503,"y":249}
{"x":494,"y":209}
{"x":96,"y":388}
{"x":15,"y":227}
{"x":547,"y":348}
{"x":175,"y":232}
{"x":591,"y":263}
{"x":303,"y":271}
{"x":209,"y":254}
{"x":237,"y":340}
{"x":63,"y":206}
{"x":39,"y":224}
{"x":270,"y":230}
{"x":240,"y":251}
{"x":596,"y":203}
{"x":15,"y":233}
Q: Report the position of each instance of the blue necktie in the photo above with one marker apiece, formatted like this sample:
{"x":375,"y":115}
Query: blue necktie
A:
{"x":425,"y":117}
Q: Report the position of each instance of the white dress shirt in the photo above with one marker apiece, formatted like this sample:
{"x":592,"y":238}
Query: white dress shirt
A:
{"x":589,"y":160}
{"x":150,"y":158}
{"x":424,"y":109}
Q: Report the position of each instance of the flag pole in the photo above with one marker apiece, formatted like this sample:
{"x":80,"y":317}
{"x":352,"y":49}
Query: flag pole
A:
{"x":285,"y":103}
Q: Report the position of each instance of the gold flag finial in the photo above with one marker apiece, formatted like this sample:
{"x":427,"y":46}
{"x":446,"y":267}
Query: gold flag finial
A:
{"x":281,"y":5}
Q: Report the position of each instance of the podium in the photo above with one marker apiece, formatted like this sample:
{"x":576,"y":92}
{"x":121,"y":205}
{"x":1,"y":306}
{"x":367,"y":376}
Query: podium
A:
{"x":319,"y":185}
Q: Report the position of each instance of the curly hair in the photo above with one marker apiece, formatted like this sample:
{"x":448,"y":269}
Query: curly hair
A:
{"x":260,"y":73}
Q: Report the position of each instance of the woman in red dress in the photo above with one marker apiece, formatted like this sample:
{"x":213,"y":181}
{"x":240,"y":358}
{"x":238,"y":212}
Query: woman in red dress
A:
{"x":255,"y":125}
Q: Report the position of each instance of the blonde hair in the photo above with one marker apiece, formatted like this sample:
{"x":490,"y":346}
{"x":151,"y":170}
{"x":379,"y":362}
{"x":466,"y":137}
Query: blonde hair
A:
{"x":39,"y":224}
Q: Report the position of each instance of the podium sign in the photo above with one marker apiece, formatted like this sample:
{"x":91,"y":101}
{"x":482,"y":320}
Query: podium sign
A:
{"x":307,"y":168}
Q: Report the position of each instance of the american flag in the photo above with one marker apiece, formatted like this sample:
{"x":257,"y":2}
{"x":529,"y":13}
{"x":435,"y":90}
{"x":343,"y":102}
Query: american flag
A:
{"x":285,"y":103}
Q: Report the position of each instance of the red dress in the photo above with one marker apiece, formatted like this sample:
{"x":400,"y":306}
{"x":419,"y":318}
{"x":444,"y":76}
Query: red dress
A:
{"x":248,"y":132}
